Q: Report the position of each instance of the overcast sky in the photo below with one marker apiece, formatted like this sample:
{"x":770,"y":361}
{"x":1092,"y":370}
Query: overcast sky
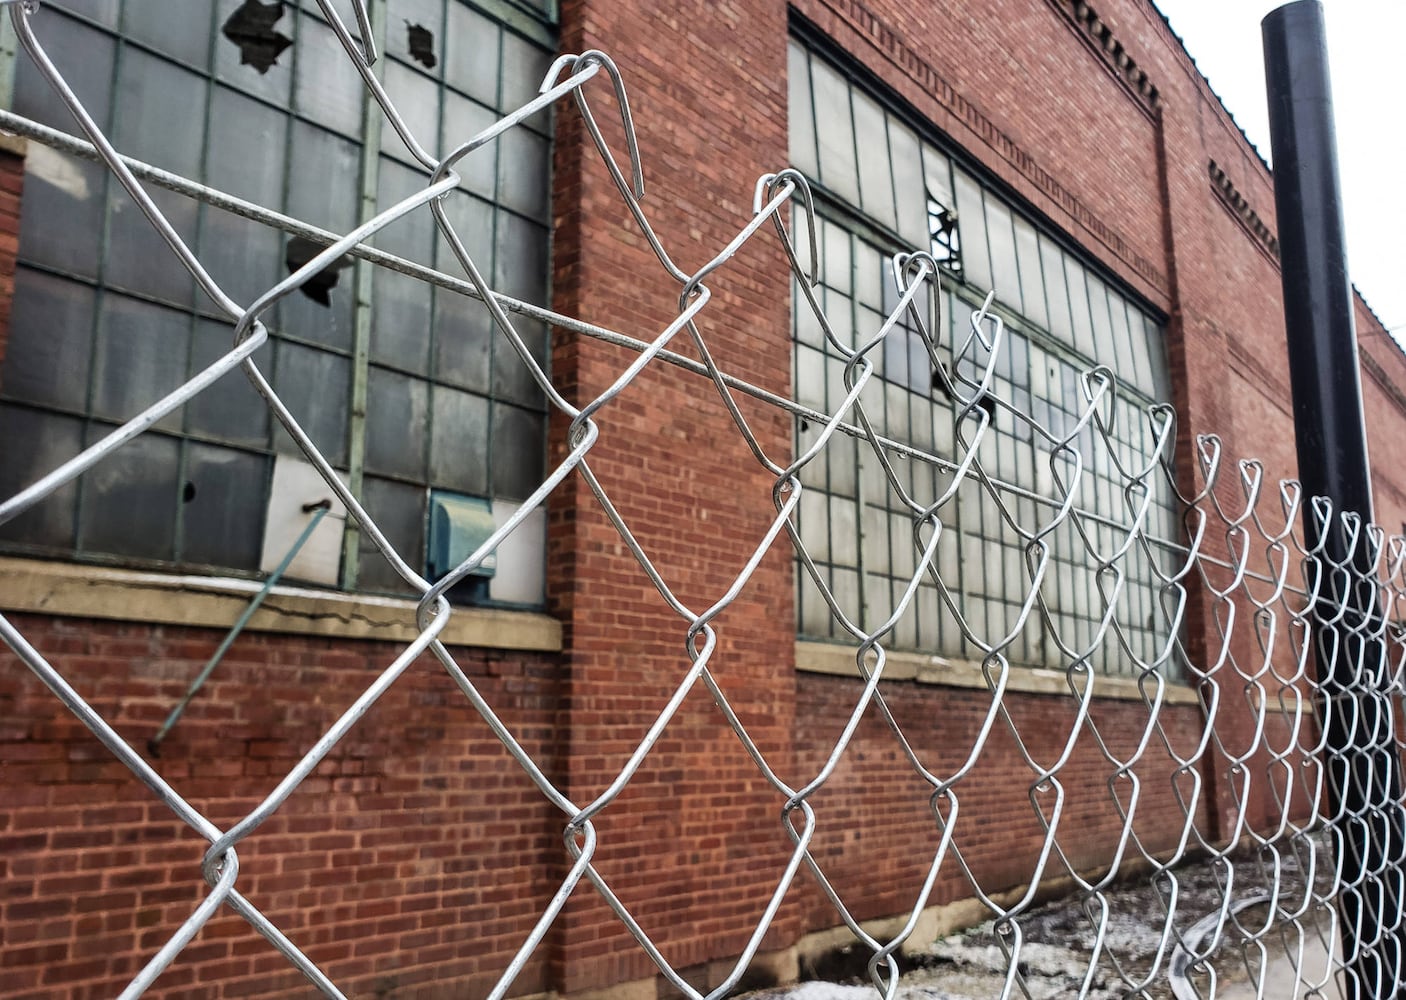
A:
{"x":1366,"y":41}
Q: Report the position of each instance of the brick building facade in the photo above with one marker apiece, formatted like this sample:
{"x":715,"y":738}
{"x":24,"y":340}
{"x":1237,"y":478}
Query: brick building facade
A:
{"x":416,"y":859}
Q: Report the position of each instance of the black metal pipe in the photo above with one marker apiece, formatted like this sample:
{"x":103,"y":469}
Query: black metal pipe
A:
{"x":1364,"y":770}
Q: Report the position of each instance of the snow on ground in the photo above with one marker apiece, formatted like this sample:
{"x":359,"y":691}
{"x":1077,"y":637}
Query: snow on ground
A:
{"x":1059,"y":937}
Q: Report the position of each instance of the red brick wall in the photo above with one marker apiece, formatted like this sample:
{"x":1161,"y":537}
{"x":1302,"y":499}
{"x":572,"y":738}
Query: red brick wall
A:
{"x":876,"y":836}
{"x":410,"y":862}
{"x":693,"y":846}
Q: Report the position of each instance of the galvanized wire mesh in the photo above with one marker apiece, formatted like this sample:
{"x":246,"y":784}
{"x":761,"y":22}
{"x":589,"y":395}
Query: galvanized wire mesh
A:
{"x":1242,"y":600}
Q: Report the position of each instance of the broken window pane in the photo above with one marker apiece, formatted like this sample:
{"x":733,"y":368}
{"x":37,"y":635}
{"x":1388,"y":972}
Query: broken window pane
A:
{"x":222,"y":499}
{"x":318,"y":286}
{"x":421,"y":42}
{"x":252,"y":29}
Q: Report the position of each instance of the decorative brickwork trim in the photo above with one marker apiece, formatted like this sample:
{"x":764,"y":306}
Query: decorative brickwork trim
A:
{"x":1393,"y":391}
{"x":1239,"y":208}
{"x":891,"y":44}
{"x":1099,"y":38}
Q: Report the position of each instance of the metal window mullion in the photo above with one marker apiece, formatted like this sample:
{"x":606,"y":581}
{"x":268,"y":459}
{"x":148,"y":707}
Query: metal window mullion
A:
{"x":193,"y":313}
{"x":492,"y":276}
{"x":100,"y":295}
{"x":361,"y":314}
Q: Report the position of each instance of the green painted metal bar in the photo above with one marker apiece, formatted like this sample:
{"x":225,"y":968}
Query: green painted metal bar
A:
{"x":319,"y":511}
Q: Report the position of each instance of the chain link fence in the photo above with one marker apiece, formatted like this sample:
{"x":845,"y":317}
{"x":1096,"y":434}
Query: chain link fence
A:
{"x":1243,"y":608}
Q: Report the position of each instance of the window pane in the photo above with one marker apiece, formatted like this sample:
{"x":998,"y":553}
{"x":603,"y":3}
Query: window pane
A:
{"x":271,"y":80}
{"x":512,"y":378}
{"x":329,"y":89}
{"x":463,"y":119}
{"x":411,"y":236}
{"x":399,"y":512}
{"x":1056,"y":291}
{"x":463,"y":335}
{"x":524,"y":67}
{"x":1105,"y":349}
{"x":520,"y":267}
{"x":397,"y":408}
{"x":428,"y":17}
{"x":1005,"y":271}
{"x":86,"y":61}
{"x":244,"y":257}
{"x":230,"y":410}
{"x":908,"y":184}
{"x":976,"y":264}
{"x":141,"y":357}
{"x":129,"y":499}
{"x":471,"y":54}
{"x":35,"y":444}
{"x":324,"y":182}
{"x":459,"y":442}
{"x":1032,"y":282}
{"x":472,"y":221}
{"x":248,"y":148}
{"x":138,"y":259}
{"x":522,"y":167}
{"x":801,"y":118}
{"x":400,"y":320}
{"x":518,"y":436}
{"x":1079,"y":307}
{"x":161,"y":116}
{"x":60,"y":187}
{"x":835,"y":263}
{"x":835,"y":132}
{"x":222,"y":520}
{"x":50,"y":341}
{"x":316,"y":387}
{"x":180,"y":29}
{"x":875,"y":173}
{"x":417,"y":99}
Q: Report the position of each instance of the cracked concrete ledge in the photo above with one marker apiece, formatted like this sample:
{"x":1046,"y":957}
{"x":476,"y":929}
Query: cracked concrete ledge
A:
{"x":836,"y":660}
{"x":69,"y":590}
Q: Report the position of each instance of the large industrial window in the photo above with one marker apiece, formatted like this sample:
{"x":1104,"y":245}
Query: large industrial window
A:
{"x":884,"y":187}
{"x":259,"y":100}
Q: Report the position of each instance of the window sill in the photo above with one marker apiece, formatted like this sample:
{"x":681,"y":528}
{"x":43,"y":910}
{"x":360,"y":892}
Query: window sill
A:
{"x":922,"y":668}
{"x":70,"y":590}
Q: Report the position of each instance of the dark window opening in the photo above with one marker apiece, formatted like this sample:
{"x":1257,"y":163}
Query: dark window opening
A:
{"x":421,"y":44}
{"x":319,"y":286}
{"x":251,"y":27}
{"x":945,"y":243}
